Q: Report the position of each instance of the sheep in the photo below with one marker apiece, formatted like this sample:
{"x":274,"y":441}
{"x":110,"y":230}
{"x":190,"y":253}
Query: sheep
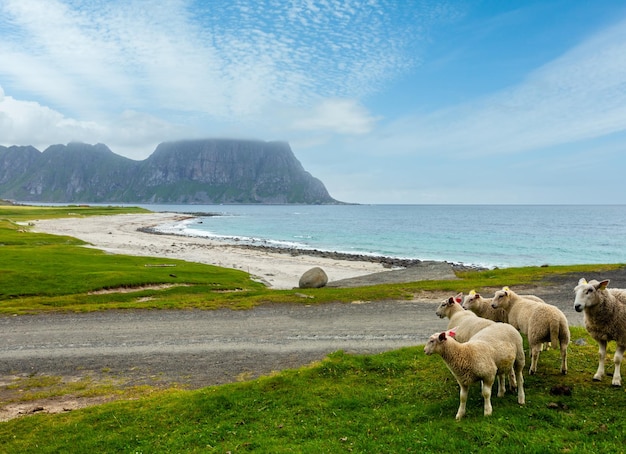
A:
{"x":605,"y":320}
{"x":482,"y":307}
{"x":539,"y":321}
{"x":493,"y":352}
{"x":467,"y":322}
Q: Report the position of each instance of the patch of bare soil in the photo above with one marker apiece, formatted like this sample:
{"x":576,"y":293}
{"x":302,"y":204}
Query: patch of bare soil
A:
{"x":51,"y":405}
{"x":107,"y":291}
{"x":19,"y":395}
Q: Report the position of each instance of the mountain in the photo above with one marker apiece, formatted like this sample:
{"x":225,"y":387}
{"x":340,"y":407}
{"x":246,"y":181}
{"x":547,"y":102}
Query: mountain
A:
{"x":206,"y":171}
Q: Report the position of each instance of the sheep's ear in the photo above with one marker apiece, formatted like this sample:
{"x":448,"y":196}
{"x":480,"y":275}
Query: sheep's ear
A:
{"x":442,"y":336}
{"x":602,"y":285}
{"x":451,"y":300}
{"x":582,"y":281}
{"x":459,"y":298}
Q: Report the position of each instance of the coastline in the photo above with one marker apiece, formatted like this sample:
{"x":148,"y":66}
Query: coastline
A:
{"x":136,"y":234}
{"x":386,"y":262}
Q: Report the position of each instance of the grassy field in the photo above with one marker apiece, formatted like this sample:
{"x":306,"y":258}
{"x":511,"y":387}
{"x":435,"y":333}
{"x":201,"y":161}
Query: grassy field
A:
{"x":400,"y":401}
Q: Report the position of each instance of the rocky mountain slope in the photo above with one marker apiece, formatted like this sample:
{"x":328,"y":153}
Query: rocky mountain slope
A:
{"x":185,"y":172}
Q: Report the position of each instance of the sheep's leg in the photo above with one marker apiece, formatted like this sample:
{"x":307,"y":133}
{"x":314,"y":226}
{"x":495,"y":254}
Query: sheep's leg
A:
{"x":534,"y":357}
{"x":463,"y":400}
{"x":521,"y":397}
{"x":564,"y":358}
{"x":501,"y":385}
{"x":601,"y":357}
{"x":486,"y":392}
{"x":512,"y":381}
{"x":617,"y":375}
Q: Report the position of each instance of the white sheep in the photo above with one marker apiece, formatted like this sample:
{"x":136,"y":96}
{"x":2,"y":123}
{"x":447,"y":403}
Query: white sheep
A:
{"x":482,"y":307}
{"x":605,"y":320}
{"x":492,"y":352}
{"x":541,"y":322}
{"x":466,"y":322}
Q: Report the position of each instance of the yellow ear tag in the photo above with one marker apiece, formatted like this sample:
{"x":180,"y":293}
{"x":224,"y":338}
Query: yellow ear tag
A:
{"x":506,"y":289}
{"x":472,"y":292}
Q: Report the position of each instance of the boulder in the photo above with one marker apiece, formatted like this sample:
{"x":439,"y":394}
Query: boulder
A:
{"x":314,"y":278}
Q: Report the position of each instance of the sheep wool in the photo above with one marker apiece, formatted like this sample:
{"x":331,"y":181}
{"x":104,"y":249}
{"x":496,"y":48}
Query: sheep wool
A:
{"x":605,"y":320}
{"x":466,"y":322}
{"x":539,"y":321}
{"x":482,"y":307}
{"x":493,"y":352}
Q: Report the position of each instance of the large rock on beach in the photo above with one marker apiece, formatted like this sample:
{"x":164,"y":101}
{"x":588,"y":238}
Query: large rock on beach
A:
{"x":313,"y":278}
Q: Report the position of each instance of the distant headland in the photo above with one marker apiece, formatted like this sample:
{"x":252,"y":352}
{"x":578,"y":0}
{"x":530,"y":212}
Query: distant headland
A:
{"x":205,"y":171}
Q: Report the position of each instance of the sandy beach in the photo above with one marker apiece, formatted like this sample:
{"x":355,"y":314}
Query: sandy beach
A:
{"x":119,"y":234}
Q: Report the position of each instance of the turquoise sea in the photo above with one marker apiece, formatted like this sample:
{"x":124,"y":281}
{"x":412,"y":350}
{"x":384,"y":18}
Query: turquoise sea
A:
{"x":483,"y":235}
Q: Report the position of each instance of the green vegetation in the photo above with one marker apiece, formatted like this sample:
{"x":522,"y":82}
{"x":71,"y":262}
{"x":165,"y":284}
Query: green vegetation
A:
{"x":41,"y":272}
{"x":400,"y":401}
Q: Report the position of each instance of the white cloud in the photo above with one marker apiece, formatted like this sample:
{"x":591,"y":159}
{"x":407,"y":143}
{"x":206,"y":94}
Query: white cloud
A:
{"x":230,"y":60}
{"x":87,"y":70}
{"x":132,"y":134}
{"x":342,"y":116}
{"x":25,"y":122}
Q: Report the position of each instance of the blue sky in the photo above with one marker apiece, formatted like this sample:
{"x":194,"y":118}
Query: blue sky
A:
{"x":385,"y":101}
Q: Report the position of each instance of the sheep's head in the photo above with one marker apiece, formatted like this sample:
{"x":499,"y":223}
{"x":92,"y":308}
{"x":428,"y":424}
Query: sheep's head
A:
{"x":444,"y":308}
{"x":470,"y":299}
{"x":437,"y":339}
{"x":588,"y":293}
{"x":501,"y":298}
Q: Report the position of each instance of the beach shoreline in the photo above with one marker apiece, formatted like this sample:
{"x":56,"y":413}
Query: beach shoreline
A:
{"x":138,"y":234}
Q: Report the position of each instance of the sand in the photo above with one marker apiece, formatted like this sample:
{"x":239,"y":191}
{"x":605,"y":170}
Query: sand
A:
{"x":119,"y":234}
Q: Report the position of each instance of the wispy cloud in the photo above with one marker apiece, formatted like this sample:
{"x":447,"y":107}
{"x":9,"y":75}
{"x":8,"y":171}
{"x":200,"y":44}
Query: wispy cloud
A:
{"x":579,"y":96}
{"x":221,"y":58}
{"x":208,"y":63}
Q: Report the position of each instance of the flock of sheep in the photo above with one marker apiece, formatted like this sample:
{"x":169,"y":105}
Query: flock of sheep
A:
{"x":483,"y":341}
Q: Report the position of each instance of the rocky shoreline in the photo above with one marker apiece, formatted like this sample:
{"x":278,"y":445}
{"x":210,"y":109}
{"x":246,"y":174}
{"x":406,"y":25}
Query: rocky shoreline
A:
{"x":386,"y":262}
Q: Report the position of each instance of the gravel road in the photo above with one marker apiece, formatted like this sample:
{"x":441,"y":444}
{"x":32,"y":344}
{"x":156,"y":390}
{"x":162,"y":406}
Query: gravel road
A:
{"x":201,"y":348}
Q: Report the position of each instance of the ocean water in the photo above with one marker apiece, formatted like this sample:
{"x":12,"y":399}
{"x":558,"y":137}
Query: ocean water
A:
{"x":483,"y":235}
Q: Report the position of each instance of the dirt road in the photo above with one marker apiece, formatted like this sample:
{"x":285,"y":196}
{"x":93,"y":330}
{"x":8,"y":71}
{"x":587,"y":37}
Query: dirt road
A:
{"x":201,"y":348}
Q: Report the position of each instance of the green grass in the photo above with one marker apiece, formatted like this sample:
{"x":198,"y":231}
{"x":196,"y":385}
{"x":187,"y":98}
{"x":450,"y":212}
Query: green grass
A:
{"x":23,"y":213}
{"x":400,"y":401}
{"x":41,"y":272}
